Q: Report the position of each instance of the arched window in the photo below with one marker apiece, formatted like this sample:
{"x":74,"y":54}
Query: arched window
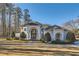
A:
{"x":47,"y":37}
{"x":70,"y":37}
{"x":58,"y":36}
{"x":33,"y":34}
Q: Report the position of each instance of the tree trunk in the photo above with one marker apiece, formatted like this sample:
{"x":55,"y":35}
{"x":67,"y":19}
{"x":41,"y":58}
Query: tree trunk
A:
{"x":9,"y":23}
{"x":3,"y":21}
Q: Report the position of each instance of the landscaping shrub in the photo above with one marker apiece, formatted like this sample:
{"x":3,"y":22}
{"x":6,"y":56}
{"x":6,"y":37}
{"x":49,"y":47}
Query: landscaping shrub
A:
{"x":46,"y":38}
{"x":8,"y":39}
{"x":60,"y":42}
{"x":42,"y":40}
{"x":13,"y":35}
{"x":23,"y":35}
{"x":70,"y":37}
{"x":16,"y":38}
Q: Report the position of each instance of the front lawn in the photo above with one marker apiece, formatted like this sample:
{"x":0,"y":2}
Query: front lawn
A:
{"x":35,"y":48}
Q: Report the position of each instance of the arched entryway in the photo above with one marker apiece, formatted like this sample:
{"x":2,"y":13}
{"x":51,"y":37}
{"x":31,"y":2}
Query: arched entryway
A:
{"x":47,"y":37}
{"x":33,"y":34}
{"x":58,"y":36}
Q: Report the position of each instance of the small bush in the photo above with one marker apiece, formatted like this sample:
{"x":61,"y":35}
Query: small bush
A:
{"x":16,"y":38}
{"x":42,"y":40}
{"x":13,"y":35}
{"x":8,"y":39}
{"x":60,"y":42}
{"x":23,"y":35}
{"x":70,"y":37}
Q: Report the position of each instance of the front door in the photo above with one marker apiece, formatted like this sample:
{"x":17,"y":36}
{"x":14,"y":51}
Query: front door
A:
{"x":33,"y":34}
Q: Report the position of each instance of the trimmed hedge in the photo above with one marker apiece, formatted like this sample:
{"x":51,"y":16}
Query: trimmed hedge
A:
{"x":23,"y":35}
{"x":60,"y":42}
{"x":13,"y":35}
{"x":8,"y":39}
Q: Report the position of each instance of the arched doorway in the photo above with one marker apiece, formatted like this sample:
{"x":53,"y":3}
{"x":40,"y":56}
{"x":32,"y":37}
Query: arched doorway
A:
{"x":47,"y":37}
{"x":58,"y":36}
{"x":33,"y":34}
{"x":70,"y":37}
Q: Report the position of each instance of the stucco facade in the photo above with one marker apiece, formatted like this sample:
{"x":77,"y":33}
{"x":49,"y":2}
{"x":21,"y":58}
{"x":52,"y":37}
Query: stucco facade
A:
{"x":35,"y":32}
{"x":54,"y":31}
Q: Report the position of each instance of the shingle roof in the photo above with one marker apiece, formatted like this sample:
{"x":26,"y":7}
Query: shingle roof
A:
{"x":56,"y":27}
{"x":32,"y":23}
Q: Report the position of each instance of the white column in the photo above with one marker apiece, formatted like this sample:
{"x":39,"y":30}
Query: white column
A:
{"x":62,"y":36}
{"x":38,"y":33}
{"x":29,"y":33}
{"x":54,"y":33}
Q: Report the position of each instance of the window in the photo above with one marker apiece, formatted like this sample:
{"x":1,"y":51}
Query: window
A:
{"x":58,"y":36}
{"x":24,"y":29}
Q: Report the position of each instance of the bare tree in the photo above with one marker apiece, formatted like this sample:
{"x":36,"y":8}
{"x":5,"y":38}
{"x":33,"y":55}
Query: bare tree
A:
{"x":72,"y":25}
